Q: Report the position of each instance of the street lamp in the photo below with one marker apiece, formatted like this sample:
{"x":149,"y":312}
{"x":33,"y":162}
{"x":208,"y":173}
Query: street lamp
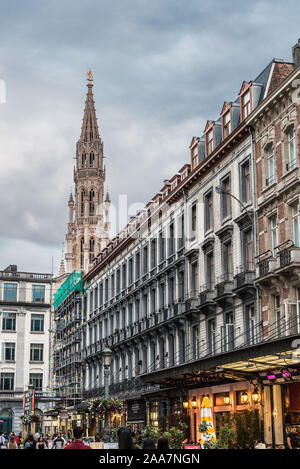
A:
{"x":107,"y":355}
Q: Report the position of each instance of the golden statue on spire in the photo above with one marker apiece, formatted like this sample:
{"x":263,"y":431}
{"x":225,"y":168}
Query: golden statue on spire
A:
{"x":89,"y":77}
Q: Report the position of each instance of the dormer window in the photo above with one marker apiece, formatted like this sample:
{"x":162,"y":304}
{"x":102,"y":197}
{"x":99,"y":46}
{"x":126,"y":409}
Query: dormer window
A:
{"x":210,"y":141}
{"x":209,"y":134}
{"x":246,"y":99}
{"x":226,"y":124}
{"x":195,"y":157}
{"x":246,"y":105}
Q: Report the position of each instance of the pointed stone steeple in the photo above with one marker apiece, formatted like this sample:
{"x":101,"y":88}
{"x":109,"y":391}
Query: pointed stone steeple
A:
{"x":62,"y":263}
{"x":86,"y":229}
{"x":89,"y":130}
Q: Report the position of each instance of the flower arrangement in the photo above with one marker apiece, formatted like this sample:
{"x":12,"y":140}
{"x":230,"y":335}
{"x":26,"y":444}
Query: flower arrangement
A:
{"x":31,"y":418}
{"x":104,"y":407}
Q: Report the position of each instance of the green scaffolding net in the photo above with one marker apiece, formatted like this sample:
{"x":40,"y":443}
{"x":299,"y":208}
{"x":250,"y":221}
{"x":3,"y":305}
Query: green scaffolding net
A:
{"x":73,"y":282}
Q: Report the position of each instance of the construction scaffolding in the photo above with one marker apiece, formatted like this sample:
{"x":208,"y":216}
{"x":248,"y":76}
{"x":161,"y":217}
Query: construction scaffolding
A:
{"x":67,"y":370}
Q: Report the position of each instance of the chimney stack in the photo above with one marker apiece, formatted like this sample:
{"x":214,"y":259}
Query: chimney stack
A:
{"x":296,"y":53}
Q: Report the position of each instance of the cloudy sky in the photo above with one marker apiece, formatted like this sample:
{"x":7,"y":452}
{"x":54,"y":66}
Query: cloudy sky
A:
{"x":161,"y":69}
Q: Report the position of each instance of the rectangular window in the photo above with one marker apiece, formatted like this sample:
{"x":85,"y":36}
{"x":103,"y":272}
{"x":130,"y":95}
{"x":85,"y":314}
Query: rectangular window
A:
{"x":296,"y":222}
{"x":171,"y":290}
{"x":7,"y":382}
{"x":196,"y":343}
{"x":153,"y":253}
{"x":209,"y":220}
{"x":274,"y":231}
{"x":209,"y":142}
{"x":271,"y":169}
{"x":36,"y":352}
{"x":171,"y":239}
{"x":118,"y":286}
{"x":248,"y":250}
{"x":37,"y":323}
{"x":130,"y":271}
{"x":181,"y":286}
{"x":162,"y":253}
{"x":229,"y":332}
{"x":193,"y":222}
{"x":212,"y":336}
{"x":181,"y":231}
{"x":106,"y":289}
{"x":124,"y":280}
{"x":137,"y":266}
{"x":101,"y":294}
{"x":8,"y":351}
{"x":145,"y":260}
{"x":194,"y":279}
{"x":38,"y":293}
{"x":246,"y":105}
{"x":226,"y":198}
{"x":112,"y":285}
{"x":227,"y":260}
{"x":245,"y":182}
{"x":36,"y":380}
{"x":195,"y":157}
{"x":9,"y":321}
{"x":226,"y":124}
{"x":250,"y":324}
{"x":10,"y":292}
{"x":210,"y":271}
{"x":291,"y":146}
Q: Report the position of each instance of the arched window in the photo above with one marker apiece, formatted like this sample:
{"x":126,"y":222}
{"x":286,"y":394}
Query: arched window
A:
{"x":82,"y":196}
{"x":92,"y":159}
{"x":92,"y":202}
{"x":82,"y":252}
{"x":83,"y":161}
{"x":92,"y":250}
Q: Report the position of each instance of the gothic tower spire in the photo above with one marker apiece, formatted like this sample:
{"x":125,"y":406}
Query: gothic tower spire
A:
{"x":85,"y":238}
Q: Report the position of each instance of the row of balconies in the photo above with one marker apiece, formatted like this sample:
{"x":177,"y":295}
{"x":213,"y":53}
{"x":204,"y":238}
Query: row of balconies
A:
{"x":139,"y":283}
{"x":163,"y":315}
{"x":285,"y":260}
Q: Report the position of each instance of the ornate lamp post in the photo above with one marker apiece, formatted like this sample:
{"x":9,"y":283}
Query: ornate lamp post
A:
{"x":107,"y":355}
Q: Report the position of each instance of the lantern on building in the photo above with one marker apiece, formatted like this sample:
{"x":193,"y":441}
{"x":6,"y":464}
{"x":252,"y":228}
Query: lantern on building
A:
{"x":255,"y":396}
{"x":194,"y":402}
{"x":244,"y":397}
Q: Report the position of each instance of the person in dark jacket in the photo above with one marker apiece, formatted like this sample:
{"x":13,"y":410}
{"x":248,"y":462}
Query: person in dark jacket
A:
{"x":148,"y":444}
{"x":125,"y":439}
{"x":163,"y":443}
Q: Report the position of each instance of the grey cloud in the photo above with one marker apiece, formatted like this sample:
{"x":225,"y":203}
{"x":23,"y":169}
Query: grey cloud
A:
{"x":161,"y":70}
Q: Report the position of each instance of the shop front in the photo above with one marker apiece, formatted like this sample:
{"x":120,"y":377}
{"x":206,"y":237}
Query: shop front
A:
{"x":226,"y":400}
{"x":281,"y":389}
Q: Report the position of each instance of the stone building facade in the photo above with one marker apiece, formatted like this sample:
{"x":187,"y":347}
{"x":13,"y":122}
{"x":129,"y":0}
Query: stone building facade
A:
{"x":174,"y":294}
{"x":25,"y":305}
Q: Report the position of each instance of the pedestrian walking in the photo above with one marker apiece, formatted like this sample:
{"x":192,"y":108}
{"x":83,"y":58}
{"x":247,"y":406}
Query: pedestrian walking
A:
{"x":41,"y":443}
{"x":78,"y":443}
{"x":291,"y":439}
{"x":58,"y":442}
{"x":12,"y":443}
{"x":3,"y":442}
